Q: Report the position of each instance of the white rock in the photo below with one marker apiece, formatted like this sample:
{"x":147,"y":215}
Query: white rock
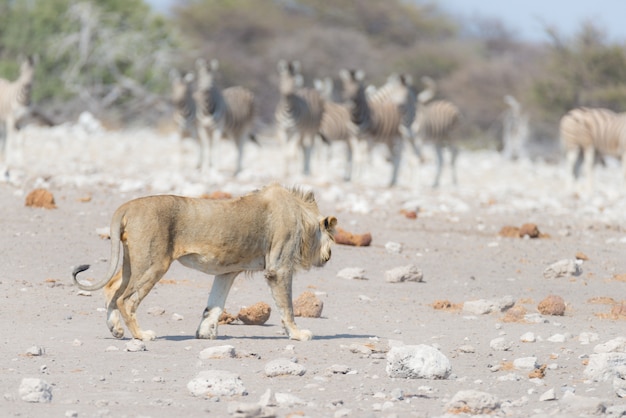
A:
{"x":35,"y":351}
{"x":616,"y":345}
{"x":221,"y":351}
{"x":535,"y":318}
{"x":135,"y":345}
{"x":619,"y":381}
{"x":352,"y":273}
{"x":213,"y":383}
{"x":35,"y":390}
{"x":177,"y":317}
{"x":484,"y":306}
{"x":393,"y":247}
{"x":528,"y":337}
{"x":417,"y":362}
{"x":548,"y":395}
{"x":602,"y":366}
{"x":409,"y":273}
{"x":473,"y":402}
{"x":287,"y":399}
{"x":582,"y":406}
{"x":588,"y":337}
{"x":525,"y":363}
{"x":557,"y":338}
{"x":563,"y":268}
{"x":500,"y":344}
{"x":284,"y":366}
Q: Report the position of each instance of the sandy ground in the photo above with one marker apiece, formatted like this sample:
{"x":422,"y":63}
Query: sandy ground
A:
{"x":454,"y":241}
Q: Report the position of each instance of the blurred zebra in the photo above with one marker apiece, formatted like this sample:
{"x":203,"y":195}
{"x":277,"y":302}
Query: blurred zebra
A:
{"x":298,"y":113}
{"x":15,"y":104}
{"x":336,"y":124}
{"x":592,"y":131}
{"x":435,"y":122}
{"x":382,"y":116}
{"x":514,"y":130}
{"x":184,"y":107}
{"x":221,"y":113}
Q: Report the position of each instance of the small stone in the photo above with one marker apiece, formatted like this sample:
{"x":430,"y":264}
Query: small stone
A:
{"x":352,"y":273}
{"x":257,"y":314}
{"x":156,"y":311}
{"x":529,"y":229}
{"x":528,"y":337}
{"x":287,"y":399}
{"x":473,"y":402}
{"x":35,"y":351}
{"x":552,"y":305}
{"x":410,"y":273}
{"x":215,"y":383}
{"x":417,"y":362}
{"x":177,"y":317}
{"x":393,"y":247}
{"x":500,"y":344}
{"x":308,"y":305}
{"x":40,"y":198}
{"x":557,"y":338}
{"x":284,"y":366}
{"x":587,"y":337}
{"x":549,"y":395}
{"x":338,"y":369}
{"x":525,"y":363}
{"x":217,"y":352}
{"x":135,"y":345}
{"x":563,"y":268}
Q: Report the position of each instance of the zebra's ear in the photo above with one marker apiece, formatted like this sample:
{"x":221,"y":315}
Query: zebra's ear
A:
{"x":200,"y":63}
{"x":297,"y":67}
{"x":189,"y":78}
{"x":344,"y":74}
{"x":359,"y":75}
{"x":215,"y":64}
{"x":299,"y":80}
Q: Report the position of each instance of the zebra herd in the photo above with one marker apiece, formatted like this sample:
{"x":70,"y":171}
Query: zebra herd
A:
{"x":393,"y":115}
{"x":308,"y":117}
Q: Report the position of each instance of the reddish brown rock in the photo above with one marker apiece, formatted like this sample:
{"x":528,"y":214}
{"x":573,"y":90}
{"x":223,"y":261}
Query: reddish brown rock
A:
{"x":509,"y":231}
{"x":409,"y":214}
{"x":529,"y":229}
{"x":226,"y":318}
{"x":347,"y":238}
{"x":552,"y":305}
{"x":40,"y":198}
{"x":257,"y":314}
{"x":308,"y":305}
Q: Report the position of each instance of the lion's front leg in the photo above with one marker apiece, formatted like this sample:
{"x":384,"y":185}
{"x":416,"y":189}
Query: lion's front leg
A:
{"x":280,"y":285}
{"x":215,"y":306}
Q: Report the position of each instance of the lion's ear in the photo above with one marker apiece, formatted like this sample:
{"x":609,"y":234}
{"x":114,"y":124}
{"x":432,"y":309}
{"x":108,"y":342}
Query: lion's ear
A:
{"x":329,"y":223}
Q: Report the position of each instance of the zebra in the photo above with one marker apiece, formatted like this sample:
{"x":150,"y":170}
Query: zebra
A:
{"x":15,"y":104}
{"x":435,"y":121}
{"x":184,"y":107}
{"x":383,"y":116}
{"x":299,"y":112}
{"x":336,"y":124}
{"x":514,"y":129}
{"x":229,"y":112}
{"x":592,"y":131}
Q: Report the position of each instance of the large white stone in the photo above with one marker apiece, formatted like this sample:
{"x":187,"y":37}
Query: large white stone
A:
{"x":284,"y":366}
{"x":602,"y":366}
{"x":35,"y":390}
{"x":563,"y":268}
{"x":473,"y":402}
{"x":212,"y":383}
{"x":417,"y":362}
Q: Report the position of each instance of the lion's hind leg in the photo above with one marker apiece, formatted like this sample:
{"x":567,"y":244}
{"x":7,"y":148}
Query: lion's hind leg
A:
{"x":280,"y":285}
{"x":215,"y":306}
{"x":138,"y":288}
{"x":111,"y":292}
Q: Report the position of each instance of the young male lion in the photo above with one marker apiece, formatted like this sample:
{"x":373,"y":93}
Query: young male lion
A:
{"x":275,"y":230}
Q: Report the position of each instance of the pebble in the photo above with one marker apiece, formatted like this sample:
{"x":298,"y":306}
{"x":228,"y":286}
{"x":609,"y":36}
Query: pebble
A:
{"x":549,"y":395}
{"x":177,"y":317}
{"x":557,"y":338}
{"x":473,"y":402}
{"x":417,"y":362}
{"x":528,"y":337}
{"x":587,"y":337}
{"x":215,"y":383}
{"x":352,"y":273}
{"x":287,"y":399}
{"x":135,"y":345}
{"x":525,"y":363}
{"x":217,"y":352}
{"x":409,"y":273}
{"x":500,"y":344}
{"x":35,"y":351}
{"x":393,"y":247}
{"x":284,"y":366}
{"x":563,"y":268}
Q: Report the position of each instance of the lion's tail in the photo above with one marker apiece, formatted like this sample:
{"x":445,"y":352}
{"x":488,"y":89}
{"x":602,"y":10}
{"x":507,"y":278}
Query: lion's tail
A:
{"x":116,"y":234}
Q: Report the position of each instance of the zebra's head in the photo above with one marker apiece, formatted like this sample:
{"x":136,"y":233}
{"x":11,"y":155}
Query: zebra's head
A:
{"x":290,"y":76}
{"x":27,"y":69}
{"x":207,"y":73}
{"x":352,"y":83}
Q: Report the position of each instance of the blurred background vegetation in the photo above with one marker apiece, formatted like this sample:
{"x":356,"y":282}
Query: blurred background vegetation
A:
{"x":113,"y":57}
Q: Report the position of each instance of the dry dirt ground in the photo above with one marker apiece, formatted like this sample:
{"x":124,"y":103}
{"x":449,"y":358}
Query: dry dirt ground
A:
{"x":454,"y":241}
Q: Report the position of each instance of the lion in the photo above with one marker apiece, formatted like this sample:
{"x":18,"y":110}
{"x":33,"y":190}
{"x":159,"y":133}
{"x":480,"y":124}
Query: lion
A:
{"x":275,"y":230}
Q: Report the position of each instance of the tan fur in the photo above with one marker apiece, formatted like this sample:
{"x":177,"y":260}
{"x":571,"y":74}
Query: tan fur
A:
{"x":275,"y":230}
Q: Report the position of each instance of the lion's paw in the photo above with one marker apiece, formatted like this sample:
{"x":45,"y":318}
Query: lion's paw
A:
{"x":147,"y":336}
{"x":301,"y":335}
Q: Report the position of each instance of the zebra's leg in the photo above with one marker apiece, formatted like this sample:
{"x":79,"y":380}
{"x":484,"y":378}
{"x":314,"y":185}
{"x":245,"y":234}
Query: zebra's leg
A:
{"x":241,"y":141}
{"x":10,"y":139}
{"x":215,"y":306}
{"x":572,"y":166}
{"x":590,"y":154}
{"x":624,"y":169}
{"x":205,"y":145}
{"x":454,"y":153}
{"x":347,"y":174}
{"x":396,"y":159}
{"x":214,"y":148}
{"x":439,"y":152}
{"x":307,"y":142}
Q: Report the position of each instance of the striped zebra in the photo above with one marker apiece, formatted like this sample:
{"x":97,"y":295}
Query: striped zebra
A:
{"x":15,"y":104}
{"x":184,"y":106}
{"x":337,"y":124}
{"x":592,"y":131}
{"x":383,"y":116}
{"x":435,"y":122}
{"x":298,"y":113}
{"x":221,"y":113}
